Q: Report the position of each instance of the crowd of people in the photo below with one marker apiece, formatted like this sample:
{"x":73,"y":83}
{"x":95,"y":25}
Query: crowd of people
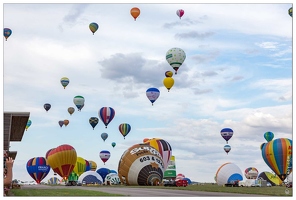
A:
{"x":7,"y":172}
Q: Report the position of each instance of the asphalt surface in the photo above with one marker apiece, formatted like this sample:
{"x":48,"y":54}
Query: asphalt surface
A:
{"x":145,"y":192}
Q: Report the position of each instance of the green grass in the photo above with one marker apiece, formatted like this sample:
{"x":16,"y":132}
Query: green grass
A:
{"x":271,"y":191}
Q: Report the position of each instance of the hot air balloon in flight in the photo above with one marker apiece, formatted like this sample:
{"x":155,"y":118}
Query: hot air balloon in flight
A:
{"x":141,"y":164}
{"x":168,"y":82}
{"x":168,"y":74}
{"x":175,"y":57}
{"x":47,"y":106}
{"x":277,"y":155}
{"x":93,"y":122}
{"x":93,"y":27}
{"x":124,"y":129}
{"x":65,"y":81}
{"x":79,"y":102}
{"x":227,"y":148}
{"x":71,"y":110}
{"x":105,"y":155}
{"x":113,"y":144}
{"x":61,"y":123}
{"x":106,"y":114}
{"x":135,"y":12}
{"x":62,"y":160}
{"x":38,"y":168}
{"x":180,"y":13}
{"x":7,"y":32}
{"x":290,"y":11}
{"x":104,"y":136}
{"x":226,"y":133}
{"x":66,"y":122}
{"x":268,"y":136}
{"x":152,"y":94}
{"x":28,"y":124}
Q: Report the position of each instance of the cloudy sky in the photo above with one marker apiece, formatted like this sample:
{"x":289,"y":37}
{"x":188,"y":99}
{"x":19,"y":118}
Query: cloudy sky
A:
{"x":237,"y":74}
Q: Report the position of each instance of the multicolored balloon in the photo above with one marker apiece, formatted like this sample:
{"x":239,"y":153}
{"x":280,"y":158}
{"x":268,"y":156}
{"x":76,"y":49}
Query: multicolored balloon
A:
{"x":65,"y":81}
{"x":105,"y":155}
{"x":93,"y":27}
{"x":28,"y":124}
{"x":7,"y":32}
{"x":93,"y":122}
{"x":175,"y":57}
{"x":251,"y":173}
{"x":124,"y":129}
{"x":227,"y":148}
{"x":135,"y":12}
{"x":80,"y":166}
{"x":273,"y":179}
{"x":268,"y":136}
{"x":106,"y":114}
{"x":47,"y":106}
{"x":79,"y":102}
{"x":93,"y":165}
{"x":71,"y":110}
{"x":104,"y":136}
{"x":38,"y":168}
{"x":226,"y":133}
{"x":168,"y":82}
{"x":228,"y":173}
{"x":277,"y":154}
{"x":152,"y":94}
{"x":168,"y":74}
{"x":180,"y":13}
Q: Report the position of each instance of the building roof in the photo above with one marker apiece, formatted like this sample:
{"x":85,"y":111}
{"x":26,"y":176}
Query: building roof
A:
{"x":14,"y":124}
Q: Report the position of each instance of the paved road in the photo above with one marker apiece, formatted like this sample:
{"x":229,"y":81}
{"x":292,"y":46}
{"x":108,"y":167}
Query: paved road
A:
{"x":146,"y":192}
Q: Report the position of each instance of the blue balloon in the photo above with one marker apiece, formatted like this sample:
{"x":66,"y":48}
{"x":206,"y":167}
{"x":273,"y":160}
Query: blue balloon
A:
{"x":103,"y":172}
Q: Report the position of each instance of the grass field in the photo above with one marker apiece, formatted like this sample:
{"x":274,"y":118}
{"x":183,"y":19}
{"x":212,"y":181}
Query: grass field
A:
{"x":272,"y":191}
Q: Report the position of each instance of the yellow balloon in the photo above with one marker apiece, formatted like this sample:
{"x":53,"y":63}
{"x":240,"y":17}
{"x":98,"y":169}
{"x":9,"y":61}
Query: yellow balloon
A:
{"x":168,"y":82}
{"x":80,"y":166}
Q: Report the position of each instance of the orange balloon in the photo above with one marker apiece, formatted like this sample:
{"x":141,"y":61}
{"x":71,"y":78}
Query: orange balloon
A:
{"x":66,"y":122}
{"x":135,"y":12}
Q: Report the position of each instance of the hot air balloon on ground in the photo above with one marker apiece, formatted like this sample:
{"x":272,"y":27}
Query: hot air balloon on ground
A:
{"x":251,"y":173}
{"x":135,"y":12}
{"x":273,"y":179}
{"x":38,"y":168}
{"x":226,"y":133}
{"x":124,"y":129}
{"x":6,"y":32}
{"x":228,"y":173}
{"x":28,"y":124}
{"x":93,"y":27}
{"x":105,"y":155}
{"x":227,"y":148}
{"x":91,"y":177}
{"x":47,"y":106}
{"x":112,"y":179}
{"x":175,"y":57}
{"x":80,"y":166}
{"x":277,"y":155}
{"x":93,"y":122}
{"x":79,"y":102}
{"x":168,"y":82}
{"x":141,"y":164}
{"x":104,"y":136}
{"x":163,"y":147}
{"x":268,"y":136}
{"x":53,"y":181}
{"x":71,"y":110}
{"x":106,"y":114}
{"x":180,"y":13}
{"x":152,"y":94}
{"x":103,"y":172}
{"x":62,"y":160}
{"x":93,"y":165}
{"x":65,"y":81}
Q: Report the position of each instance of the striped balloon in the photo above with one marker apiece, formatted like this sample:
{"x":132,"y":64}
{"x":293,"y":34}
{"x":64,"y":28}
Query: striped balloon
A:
{"x":105,"y":155}
{"x":38,"y":168}
{"x":106,"y":114}
{"x":124,"y":129}
{"x":65,"y":81}
{"x":268,"y":136}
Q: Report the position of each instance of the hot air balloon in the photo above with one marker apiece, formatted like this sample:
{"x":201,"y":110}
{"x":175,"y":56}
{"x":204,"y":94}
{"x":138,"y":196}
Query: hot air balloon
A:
{"x":105,"y":155}
{"x":112,"y":178}
{"x":79,"y":102}
{"x":163,"y":147}
{"x":251,"y":173}
{"x":7,"y":32}
{"x":227,"y":148}
{"x":66,"y":122}
{"x":103,"y":172}
{"x":168,"y":74}
{"x":106,"y":114}
{"x":38,"y":168}
{"x":273,"y":179}
{"x":141,"y":164}
{"x":124,"y":129}
{"x":180,"y":13}
{"x":53,"y":181}
{"x":135,"y":12}
{"x":93,"y":122}
{"x":61,"y":123}
{"x":93,"y":27}
{"x":261,"y":146}
{"x":228,"y":173}
{"x":80,"y":166}
{"x":175,"y":57}
{"x":113,"y":144}
{"x":28,"y":124}
{"x":268,"y":136}
{"x":104,"y":136}
{"x":91,"y":177}
{"x":226,"y":133}
{"x":93,"y":165}
{"x":71,"y":110}
{"x":62,"y":160}
{"x":65,"y":81}
{"x":290,"y":11}
{"x":277,"y":155}
{"x":46,"y":154}
{"x":47,"y":106}
{"x":152,"y":94}
{"x":168,"y":82}
{"x":145,"y":140}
